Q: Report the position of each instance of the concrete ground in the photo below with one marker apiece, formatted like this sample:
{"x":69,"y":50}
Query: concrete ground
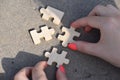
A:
{"x":17,"y":49}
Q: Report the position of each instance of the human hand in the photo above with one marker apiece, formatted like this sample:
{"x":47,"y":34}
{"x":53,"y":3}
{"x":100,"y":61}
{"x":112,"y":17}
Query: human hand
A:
{"x":23,"y":74}
{"x":107,"y":20}
{"x":38,"y":73}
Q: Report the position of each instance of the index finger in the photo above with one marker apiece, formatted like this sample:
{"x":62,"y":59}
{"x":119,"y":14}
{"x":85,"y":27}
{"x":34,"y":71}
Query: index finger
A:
{"x":41,"y":65}
{"x":93,"y":21}
{"x":108,"y":10}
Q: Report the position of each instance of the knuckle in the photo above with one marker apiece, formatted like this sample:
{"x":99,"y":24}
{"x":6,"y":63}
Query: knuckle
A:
{"x":117,"y":65}
{"x":38,"y":65}
{"x":24,"y":69}
{"x":111,"y":21}
{"x":35,"y":69}
{"x":16,"y":77}
{"x":109,"y":5}
{"x":98,"y":7}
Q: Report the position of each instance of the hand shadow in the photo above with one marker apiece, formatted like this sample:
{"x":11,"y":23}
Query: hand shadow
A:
{"x":23,"y":59}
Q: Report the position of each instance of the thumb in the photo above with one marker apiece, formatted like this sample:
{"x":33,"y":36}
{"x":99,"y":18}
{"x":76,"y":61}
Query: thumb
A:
{"x":61,"y":75}
{"x":86,"y":47}
{"x":23,"y":74}
{"x":38,"y":72}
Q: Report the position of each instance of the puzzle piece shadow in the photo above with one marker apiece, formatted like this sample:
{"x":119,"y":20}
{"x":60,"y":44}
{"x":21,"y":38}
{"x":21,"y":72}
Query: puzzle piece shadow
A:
{"x":23,"y":59}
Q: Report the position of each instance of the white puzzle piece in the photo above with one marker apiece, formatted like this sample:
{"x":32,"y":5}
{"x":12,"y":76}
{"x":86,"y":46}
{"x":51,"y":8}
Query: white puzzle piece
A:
{"x":55,"y":57}
{"x":68,"y":36}
{"x":45,"y":33}
{"x":51,"y":12}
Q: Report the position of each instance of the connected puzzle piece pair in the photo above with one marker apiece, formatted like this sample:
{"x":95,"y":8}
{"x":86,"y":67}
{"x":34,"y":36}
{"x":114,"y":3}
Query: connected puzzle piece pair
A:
{"x":47,"y":33}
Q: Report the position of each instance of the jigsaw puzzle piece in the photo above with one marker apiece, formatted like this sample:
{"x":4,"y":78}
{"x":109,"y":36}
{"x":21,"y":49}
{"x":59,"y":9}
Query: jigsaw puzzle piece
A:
{"x":35,"y":36}
{"x":62,"y":58}
{"x":48,"y":54}
{"x":46,"y":15}
{"x":51,"y":12}
{"x":55,"y":57}
{"x":68,"y":36}
{"x":45,"y":33}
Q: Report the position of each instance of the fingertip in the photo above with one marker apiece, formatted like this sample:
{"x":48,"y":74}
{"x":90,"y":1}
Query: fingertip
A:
{"x":73,"y":24}
{"x":72,"y":46}
{"x":44,"y":63}
{"x":61,"y":74}
{"x":41,"y":65}
{"x":62,"y":69}
{"x":76,"y":23}
{"x":88,"y":29}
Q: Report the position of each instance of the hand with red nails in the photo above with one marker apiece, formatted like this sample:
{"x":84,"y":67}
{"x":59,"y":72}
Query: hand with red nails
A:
{"x":37,"y":72}
{"x":107,"y":20}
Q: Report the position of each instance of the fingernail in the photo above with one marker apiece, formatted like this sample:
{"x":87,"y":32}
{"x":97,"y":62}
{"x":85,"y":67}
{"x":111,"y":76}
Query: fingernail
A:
{"x":62,"y":69}
{"x":72,"y":46}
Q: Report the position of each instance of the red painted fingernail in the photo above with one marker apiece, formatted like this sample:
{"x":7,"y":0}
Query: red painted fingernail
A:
{"x":72,"y":46}
{"x":62,"y":69}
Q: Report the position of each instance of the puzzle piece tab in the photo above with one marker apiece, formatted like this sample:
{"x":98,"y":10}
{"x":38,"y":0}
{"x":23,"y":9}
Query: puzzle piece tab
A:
{"x":55,"y":57}
{"x":51,"y":12}
{"x":68,"y":36}
{"x":45,"y":33}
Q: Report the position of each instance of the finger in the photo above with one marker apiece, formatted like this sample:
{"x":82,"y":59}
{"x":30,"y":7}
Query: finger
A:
{"x":108,"y":10}
{"x":94,"y":12}
{"x":114,"y":10}
{"x":86,"y":47}
{"x":61,"y":75}
{"x":23,"y":74}
{"x":41,"y":65}
{"x":93,"y":21}
{"x":38,"y":71}
{"x":98,"y":11}
{"x":88,"y":29}
{"x":112,"y":7}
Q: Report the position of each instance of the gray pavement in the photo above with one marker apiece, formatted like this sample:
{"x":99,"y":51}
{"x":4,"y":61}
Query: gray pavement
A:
{"x":17,"y":49}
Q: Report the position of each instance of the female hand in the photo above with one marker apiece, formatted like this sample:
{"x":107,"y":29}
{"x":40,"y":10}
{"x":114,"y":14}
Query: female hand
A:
{"x":23,"y":74}
{"x":107,"y":20}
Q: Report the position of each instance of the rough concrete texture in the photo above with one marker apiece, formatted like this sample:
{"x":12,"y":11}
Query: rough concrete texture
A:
{"x":17,"y":49}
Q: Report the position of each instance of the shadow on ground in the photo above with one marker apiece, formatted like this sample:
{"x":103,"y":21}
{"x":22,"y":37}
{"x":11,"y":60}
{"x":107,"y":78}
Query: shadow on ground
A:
{"x":23,"y":59}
